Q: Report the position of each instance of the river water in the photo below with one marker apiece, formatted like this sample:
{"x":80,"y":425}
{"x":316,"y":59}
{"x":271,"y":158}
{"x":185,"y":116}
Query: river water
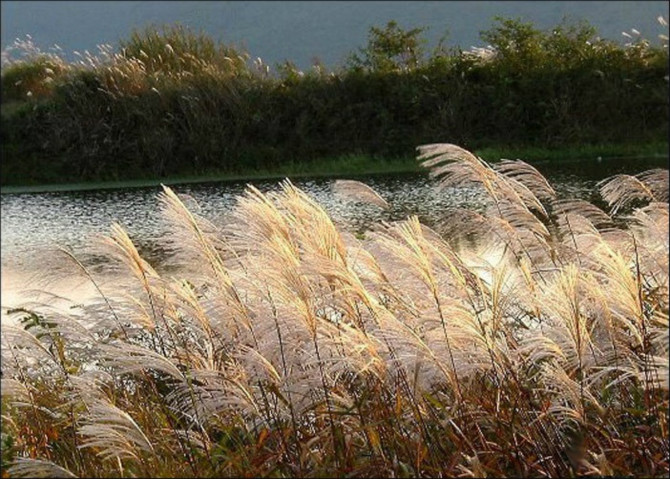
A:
{"x":34,"y":223}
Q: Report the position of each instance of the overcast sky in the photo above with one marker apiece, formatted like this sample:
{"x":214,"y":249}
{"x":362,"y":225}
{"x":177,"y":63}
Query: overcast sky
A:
{"x":300,"y":31}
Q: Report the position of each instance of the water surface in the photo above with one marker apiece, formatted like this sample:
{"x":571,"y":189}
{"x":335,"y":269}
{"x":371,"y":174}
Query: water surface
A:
{"x":34,"y":223}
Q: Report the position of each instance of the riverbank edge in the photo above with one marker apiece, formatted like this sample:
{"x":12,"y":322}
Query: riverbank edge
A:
{"x":361,"y":165}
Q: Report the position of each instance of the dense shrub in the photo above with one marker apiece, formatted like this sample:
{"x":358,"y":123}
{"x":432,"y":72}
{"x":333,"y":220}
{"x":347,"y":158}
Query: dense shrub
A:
{"x":172,"y":102}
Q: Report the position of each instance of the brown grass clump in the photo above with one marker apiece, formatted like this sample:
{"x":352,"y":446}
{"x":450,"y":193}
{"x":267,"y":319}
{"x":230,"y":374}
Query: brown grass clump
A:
{"x":531,"y":340}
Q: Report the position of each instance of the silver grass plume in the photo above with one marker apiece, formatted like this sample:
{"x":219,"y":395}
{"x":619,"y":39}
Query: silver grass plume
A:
{"x":359,"y":191}
{"x":621,"y":190}
{"x":29,"y":468}
{"x":113,"y":432}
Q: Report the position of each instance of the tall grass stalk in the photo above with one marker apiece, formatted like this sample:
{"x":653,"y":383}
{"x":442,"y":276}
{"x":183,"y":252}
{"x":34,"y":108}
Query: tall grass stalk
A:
{"x":528,"y":339}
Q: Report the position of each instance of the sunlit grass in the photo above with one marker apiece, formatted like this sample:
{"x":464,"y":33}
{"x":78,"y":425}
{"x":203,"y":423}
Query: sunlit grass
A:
{"x":529,"y":339}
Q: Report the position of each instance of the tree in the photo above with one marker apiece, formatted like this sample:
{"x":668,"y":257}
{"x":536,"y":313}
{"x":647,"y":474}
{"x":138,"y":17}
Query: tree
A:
{"x":390,"y":49}
{"x":513,"y":39}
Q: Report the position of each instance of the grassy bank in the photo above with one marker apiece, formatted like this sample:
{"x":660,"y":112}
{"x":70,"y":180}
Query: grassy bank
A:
{"x":349,"y":165}
{"x":169,"y":104}
{"x":586,"y":156}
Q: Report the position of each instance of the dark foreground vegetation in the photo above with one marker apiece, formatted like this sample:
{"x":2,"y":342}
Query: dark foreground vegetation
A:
{"x":169,"y":102}
{"x":529,"y":339}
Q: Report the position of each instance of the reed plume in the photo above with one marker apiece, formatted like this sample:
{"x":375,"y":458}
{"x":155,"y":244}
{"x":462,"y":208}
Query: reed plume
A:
{"x":529,"y":339}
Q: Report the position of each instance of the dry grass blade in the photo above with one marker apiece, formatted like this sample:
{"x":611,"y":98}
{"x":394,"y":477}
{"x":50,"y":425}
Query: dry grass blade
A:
{"x":198,"y":234}
{"x":28,"y":467}
{"x":121,"y":247}
{"x":113,"y":432}
{"x":358,"y":191}
{"x":527,"y":175}
{"x":129,"y":358}
{"x":563,"y":207}
{"x":437,"y":153}
{"x":14,"y":390}
{"x":621,"y":190}
{"x":516,"y":182}
{"x":658,"y":181}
